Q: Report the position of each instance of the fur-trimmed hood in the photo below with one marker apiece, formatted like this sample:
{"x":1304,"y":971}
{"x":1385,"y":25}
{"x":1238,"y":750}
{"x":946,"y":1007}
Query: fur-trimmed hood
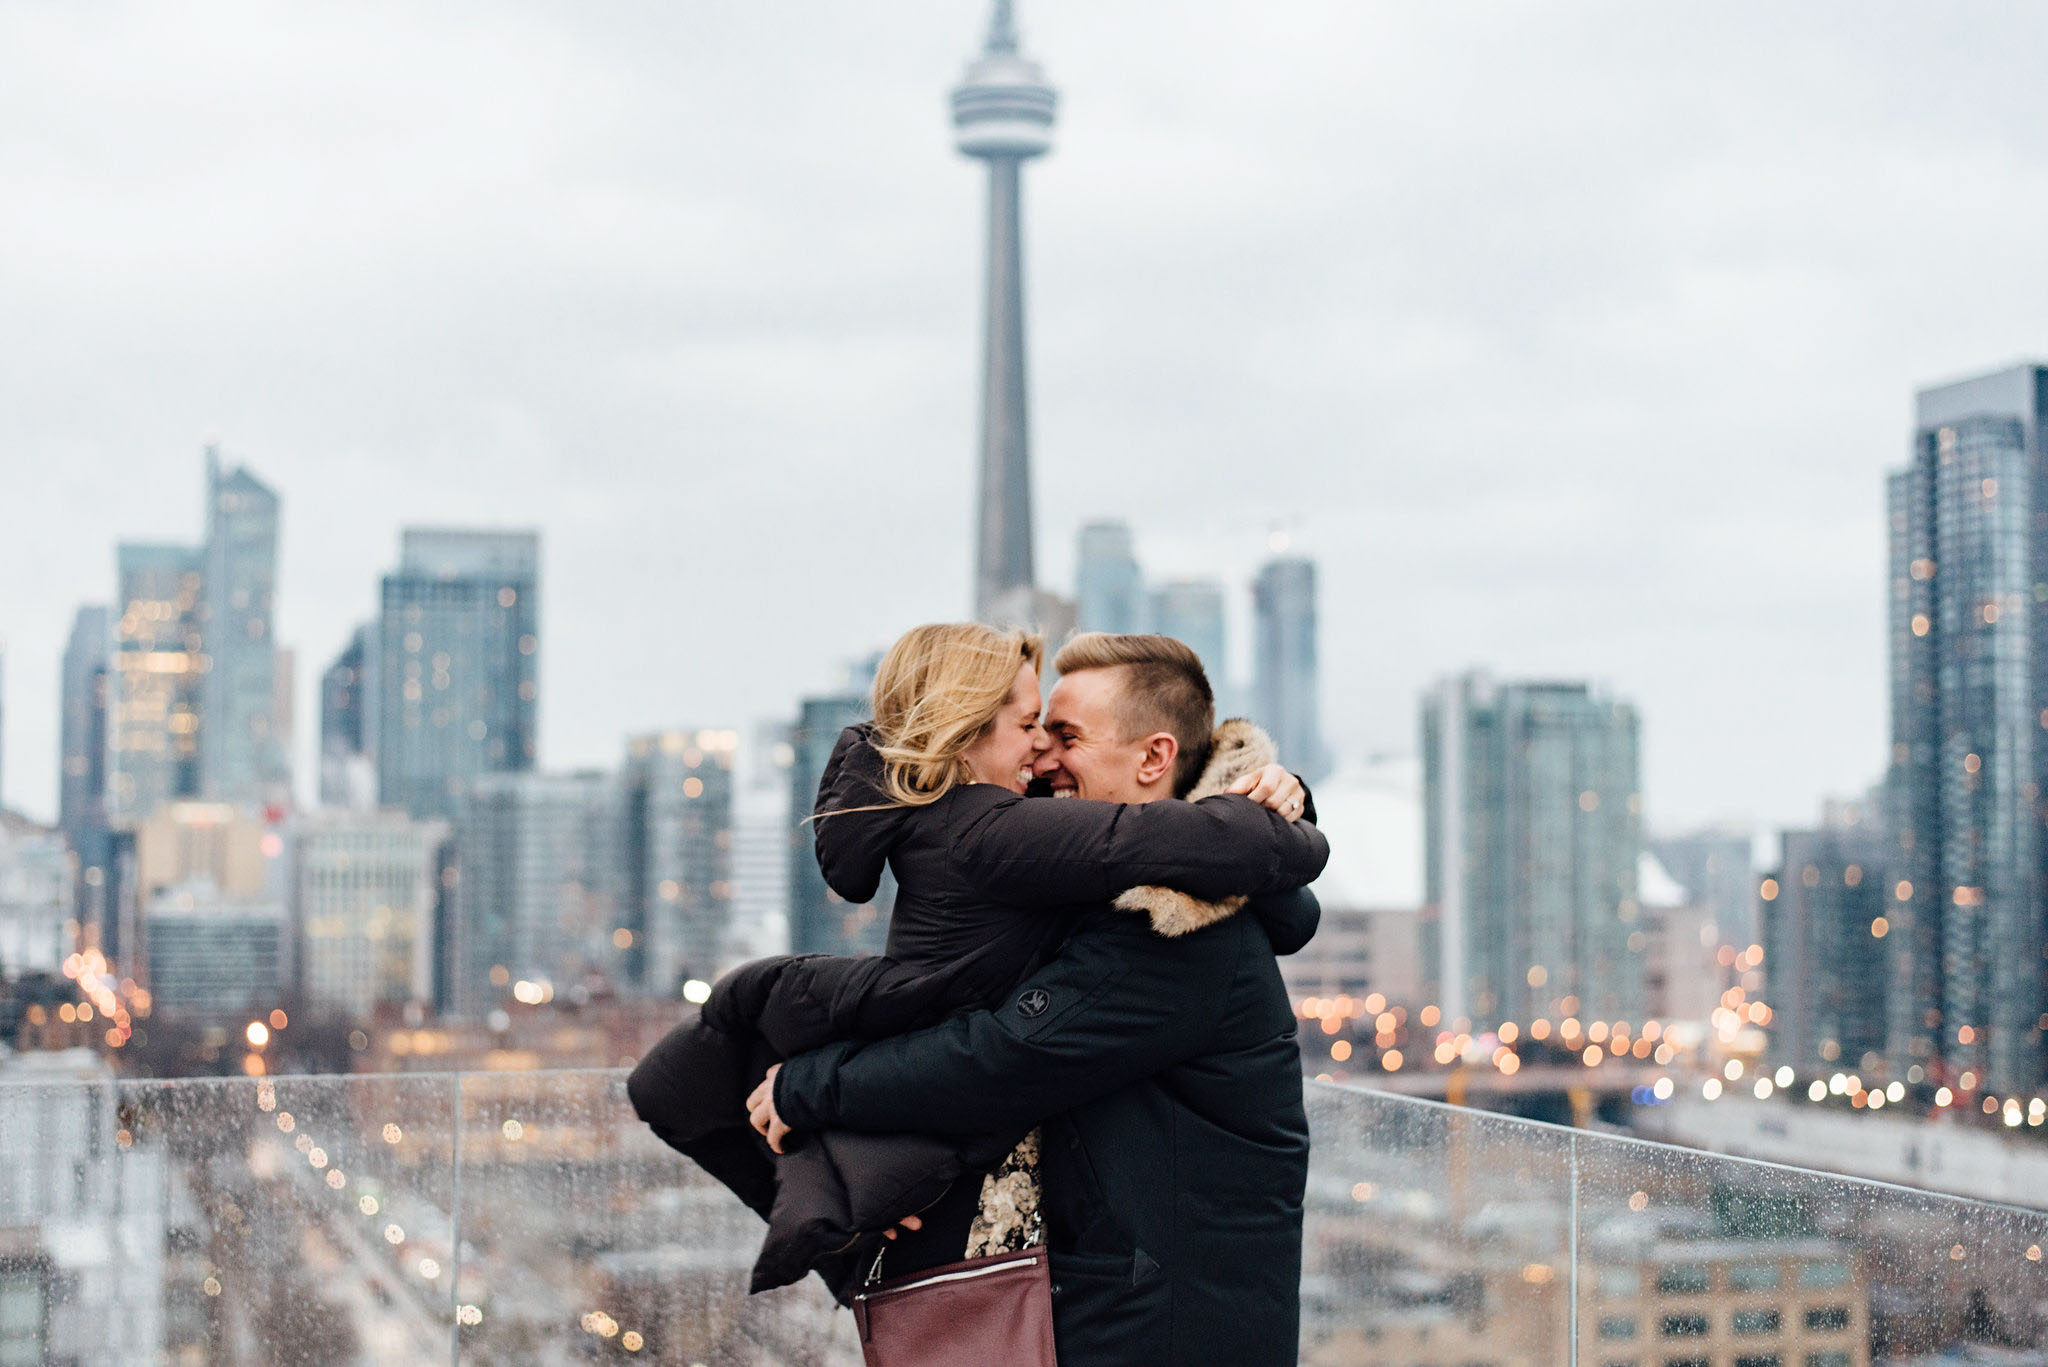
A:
{"x":1236,"y":748}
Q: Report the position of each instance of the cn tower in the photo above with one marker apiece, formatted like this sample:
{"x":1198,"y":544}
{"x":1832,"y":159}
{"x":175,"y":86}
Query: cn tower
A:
{"x":1002,"y":114}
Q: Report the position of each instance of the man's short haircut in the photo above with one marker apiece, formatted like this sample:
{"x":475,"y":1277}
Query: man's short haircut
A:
{"x":1164,"y":688}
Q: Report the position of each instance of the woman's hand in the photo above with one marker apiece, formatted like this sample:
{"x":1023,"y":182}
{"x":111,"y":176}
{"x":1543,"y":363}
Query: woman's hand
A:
{"x":1273,"y":787}
{"x":761,"y":1111}
{"x":761,"y":1115}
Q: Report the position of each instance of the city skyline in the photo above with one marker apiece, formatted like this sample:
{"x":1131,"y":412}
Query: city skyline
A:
{"x":1622,"y":541}
{"x":1595,"y":442}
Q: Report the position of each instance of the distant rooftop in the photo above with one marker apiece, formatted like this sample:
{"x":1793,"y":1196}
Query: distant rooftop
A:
{"x":451,"y":553}
{"x":2014,"y":390}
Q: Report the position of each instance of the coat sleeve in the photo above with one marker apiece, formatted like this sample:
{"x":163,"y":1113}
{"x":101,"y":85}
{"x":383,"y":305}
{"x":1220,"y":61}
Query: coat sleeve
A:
{"x":852,"y":818}
{"x":1038,"y":851}
{"x":1117,"y":1005}
{"x":1290,"y":918}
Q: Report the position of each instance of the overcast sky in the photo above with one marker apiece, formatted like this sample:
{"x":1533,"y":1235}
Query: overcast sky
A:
{"x":1571,"y":339}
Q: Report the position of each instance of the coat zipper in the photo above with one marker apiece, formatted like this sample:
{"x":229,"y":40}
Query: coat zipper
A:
{"x":967,"y":1275}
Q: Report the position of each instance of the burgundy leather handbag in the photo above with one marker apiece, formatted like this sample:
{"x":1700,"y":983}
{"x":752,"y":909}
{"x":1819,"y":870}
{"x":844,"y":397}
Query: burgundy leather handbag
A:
{"x":996,"y":1309}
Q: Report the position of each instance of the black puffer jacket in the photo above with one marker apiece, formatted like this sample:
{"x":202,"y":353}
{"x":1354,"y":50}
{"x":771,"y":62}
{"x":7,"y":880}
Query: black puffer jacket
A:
{"x":1167,"y":1077}
{"x":989,"y":882}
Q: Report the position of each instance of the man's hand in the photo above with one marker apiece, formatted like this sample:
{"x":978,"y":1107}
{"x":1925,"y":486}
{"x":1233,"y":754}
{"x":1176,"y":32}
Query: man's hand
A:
{"x":761,"y":1111}
{"x":1274,"y":787}
{"x":761,"y":1114}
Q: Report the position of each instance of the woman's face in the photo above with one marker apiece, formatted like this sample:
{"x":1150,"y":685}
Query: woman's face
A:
{"x":1004,"y":753}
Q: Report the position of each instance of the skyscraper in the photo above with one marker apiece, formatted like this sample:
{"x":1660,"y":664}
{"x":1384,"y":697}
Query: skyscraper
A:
{"x":1109,"y":590}
{"x":1003,"y":114}
{"x":456,"y":657}
{"x":1285,"y":680}
{"x":676,"y":905}
{"x":347,"y":772}
{"x":159,"y":662}
{"x":242,"y":755}
{"x":1533,"y":835}
{"x":1191,"y":611}
{"x":820,"y":921}
{"x":1969,"y":695}
{"x":538,"y":888}
{"x":82,"y":772}
{"x":1824,"y":927}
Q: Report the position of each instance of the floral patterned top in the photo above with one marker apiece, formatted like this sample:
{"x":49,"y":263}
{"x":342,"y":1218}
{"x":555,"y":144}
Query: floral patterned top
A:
{"x":1010,"y":1217}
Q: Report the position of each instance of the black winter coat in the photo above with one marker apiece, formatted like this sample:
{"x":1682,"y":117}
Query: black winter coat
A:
{"x":989,"y":883}
{"x":1175,"y":1151}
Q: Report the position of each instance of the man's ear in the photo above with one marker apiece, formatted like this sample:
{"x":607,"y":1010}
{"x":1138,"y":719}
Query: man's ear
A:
{"x":1156,"y":758}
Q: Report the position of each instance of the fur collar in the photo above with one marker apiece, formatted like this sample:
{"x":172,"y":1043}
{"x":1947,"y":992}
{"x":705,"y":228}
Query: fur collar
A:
{"x":1237,"y":748}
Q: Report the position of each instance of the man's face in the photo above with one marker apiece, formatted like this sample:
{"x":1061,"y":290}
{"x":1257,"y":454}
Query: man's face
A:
{"x":1090,"y":756}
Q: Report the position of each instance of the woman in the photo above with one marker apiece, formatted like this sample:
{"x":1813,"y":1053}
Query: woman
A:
{"x":988,"y":884}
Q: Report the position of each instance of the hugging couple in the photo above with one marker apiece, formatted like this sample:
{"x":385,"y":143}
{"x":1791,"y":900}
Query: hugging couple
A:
{"x":1065,"y":1107}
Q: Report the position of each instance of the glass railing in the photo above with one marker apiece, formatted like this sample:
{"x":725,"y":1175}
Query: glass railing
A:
{"x":510,"y":1218}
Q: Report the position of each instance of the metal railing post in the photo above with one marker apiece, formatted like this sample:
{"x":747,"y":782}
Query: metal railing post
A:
{"x":455,"y":1231}
{"x":1572,"y":1280}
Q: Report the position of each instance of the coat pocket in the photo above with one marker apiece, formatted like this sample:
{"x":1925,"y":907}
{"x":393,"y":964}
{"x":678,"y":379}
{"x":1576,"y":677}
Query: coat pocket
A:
{"x":1111,"y":1309}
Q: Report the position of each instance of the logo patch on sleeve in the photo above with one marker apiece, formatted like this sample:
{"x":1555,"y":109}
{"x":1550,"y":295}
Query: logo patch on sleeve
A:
{"x":1033,"y":1003}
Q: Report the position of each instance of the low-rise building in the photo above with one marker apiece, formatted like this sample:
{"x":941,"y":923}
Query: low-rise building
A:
{"x":1647,"y":1297}
{"x":365,"y":890}
{"x":210,"y":955}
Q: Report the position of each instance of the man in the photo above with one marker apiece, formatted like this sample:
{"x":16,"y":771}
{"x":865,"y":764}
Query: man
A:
{"x":1165,"y":1071}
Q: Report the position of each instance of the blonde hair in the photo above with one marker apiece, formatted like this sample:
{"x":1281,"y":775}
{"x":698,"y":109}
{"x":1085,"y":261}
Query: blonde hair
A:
{"x":1164,"y":688}
{"x":937,"y":691}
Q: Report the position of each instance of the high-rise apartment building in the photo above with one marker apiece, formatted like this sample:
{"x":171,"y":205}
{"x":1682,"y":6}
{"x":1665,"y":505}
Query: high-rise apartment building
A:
{"x":537,"y":887}
{"x":820,"y":921}
{"x":348,"y":775}
{"x":1109,"y":591}
{"x":677,"y":901}
{"x":242,"y":745}
{"x":1825,"y":921}
{"x":365,"y":891}
{"x":456,"y":666}
{"x":82,"y":738}
{"x":196,"y":694}
{"x":1285,"y":677}
{"x":1533,"y":834}
{"x":1191,"y":611}
{"x":159,"y":662}
{"x":1969,"y":698}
